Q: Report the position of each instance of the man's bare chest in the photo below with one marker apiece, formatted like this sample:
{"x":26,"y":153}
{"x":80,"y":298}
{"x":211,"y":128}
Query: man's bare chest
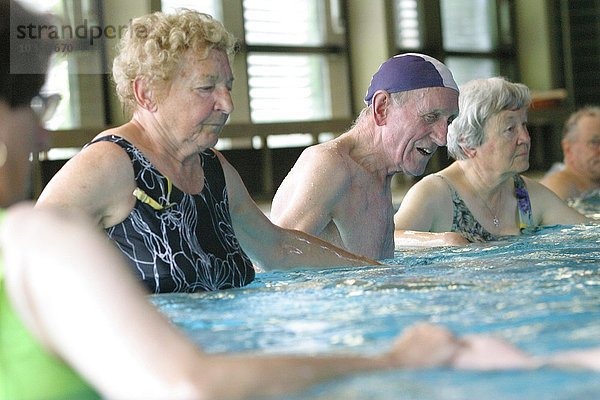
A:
{"x":369,"y":211}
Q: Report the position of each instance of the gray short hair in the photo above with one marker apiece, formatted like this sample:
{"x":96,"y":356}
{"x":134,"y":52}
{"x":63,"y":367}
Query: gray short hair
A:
{"x":571,"y":124}
{"x":398,"y":99}
{"x":479,"y":100}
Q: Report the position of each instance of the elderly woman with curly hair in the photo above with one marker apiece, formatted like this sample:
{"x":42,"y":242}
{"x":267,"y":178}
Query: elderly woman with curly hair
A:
{"x":174,"y":206}
{"x":482,"y":195}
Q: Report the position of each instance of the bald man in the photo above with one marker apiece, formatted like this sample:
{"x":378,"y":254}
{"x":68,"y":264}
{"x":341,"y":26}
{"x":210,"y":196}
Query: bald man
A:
{"x":341,"y":190}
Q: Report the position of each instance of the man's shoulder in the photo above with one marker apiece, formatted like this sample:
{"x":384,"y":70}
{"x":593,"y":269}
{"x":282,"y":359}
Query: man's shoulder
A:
{"x":323,"y":156}
{"x":562,"y":182}
{"x":559,"y":175}
{"x":327,"y":150}
{"x":319,"y":167}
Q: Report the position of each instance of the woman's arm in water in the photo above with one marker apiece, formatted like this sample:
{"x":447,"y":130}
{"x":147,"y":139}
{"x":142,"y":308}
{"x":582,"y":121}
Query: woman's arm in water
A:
{"x":424,"y":218}
{"x":272,"y":246}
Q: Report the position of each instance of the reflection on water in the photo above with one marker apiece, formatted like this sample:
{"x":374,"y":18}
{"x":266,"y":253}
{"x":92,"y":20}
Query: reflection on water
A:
{"x":588,"y":204}
{"x":540,"y":291}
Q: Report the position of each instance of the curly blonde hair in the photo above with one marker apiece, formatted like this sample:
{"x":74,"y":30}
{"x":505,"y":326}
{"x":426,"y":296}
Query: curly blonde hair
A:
{"x":154,"y":45}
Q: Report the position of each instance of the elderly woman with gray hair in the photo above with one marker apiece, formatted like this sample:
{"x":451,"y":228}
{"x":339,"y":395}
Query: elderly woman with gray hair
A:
{"x":482,"y":195}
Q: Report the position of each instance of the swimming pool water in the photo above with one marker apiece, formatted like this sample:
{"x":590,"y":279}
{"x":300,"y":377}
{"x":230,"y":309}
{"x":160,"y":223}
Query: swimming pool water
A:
{"x":588,"y":204}
{"x":539,"y":291}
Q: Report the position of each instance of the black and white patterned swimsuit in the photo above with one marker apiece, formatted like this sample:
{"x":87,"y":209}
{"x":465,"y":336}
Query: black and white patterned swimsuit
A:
{"x":179,"y":242}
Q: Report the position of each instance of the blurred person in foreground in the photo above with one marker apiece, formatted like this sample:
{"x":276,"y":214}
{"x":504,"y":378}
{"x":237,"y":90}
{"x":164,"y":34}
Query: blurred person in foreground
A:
{"x":482,"y":195}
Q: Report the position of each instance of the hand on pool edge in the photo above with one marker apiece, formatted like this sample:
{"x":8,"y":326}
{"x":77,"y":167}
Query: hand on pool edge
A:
{"x":488,"y":353}
{"x":427,"y":345}
{"x":574,"y":359}
{"x":424,"y":345}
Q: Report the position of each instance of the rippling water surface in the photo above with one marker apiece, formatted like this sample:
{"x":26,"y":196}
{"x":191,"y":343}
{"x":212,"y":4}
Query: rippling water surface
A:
{"x":540,"y":291}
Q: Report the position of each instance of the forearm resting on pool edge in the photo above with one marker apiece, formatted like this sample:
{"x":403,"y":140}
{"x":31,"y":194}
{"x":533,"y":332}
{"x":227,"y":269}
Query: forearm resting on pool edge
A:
{"x":296,"y":249}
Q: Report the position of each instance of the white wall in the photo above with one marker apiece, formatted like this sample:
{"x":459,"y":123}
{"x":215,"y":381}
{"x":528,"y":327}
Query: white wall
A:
{"x":118,"y":13}
{"x":369,"y":46}
{"x":533,"y":46}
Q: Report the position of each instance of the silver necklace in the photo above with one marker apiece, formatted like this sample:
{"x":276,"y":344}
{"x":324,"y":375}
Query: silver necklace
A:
{"x":495,"y":219}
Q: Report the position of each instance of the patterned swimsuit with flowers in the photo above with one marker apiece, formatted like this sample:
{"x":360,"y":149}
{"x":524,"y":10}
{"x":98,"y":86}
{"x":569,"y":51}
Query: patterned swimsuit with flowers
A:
{"x":467,"y":225}
{"x":179,"y":242}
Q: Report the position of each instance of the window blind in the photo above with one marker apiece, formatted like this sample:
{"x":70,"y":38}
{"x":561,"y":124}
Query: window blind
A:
{"x":285,"y":86}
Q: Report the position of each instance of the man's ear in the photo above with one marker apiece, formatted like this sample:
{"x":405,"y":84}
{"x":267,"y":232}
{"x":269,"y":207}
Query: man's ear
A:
{"x":144,"y":95}
{"x":470,"y":152}
{"x":566,"y":147}
{"x":380,"y":104}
